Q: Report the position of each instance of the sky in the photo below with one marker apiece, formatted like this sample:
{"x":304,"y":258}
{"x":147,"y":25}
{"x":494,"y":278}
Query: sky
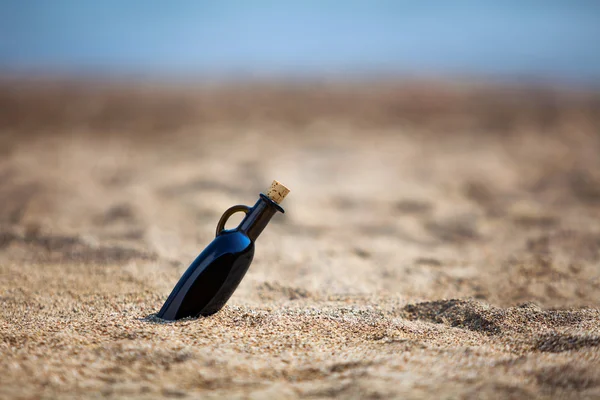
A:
{"x":554,"y":39}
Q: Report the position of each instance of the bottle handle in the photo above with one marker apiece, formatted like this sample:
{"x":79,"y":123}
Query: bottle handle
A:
{"x":229,"y":213}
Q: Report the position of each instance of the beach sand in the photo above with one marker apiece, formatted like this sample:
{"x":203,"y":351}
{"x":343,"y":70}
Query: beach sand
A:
{"x":440,"y":240}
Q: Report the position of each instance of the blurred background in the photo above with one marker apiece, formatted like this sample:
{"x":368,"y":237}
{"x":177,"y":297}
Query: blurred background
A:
{"x":535,"y":40}
{"x":412,"y":136}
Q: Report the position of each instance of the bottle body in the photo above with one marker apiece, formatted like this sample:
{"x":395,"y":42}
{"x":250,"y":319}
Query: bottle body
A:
{"x":211,"y":279}
{"x":214,"y":275}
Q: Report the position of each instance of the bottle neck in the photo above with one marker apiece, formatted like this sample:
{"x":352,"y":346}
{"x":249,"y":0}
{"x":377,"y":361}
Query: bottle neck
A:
{"x":259,"y":216}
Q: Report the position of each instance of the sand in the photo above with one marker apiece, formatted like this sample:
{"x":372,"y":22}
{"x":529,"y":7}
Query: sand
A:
{"x":440,"y":240}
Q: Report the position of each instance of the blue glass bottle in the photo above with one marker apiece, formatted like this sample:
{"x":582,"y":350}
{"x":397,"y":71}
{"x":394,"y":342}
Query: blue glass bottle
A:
{"x":214,"y":275}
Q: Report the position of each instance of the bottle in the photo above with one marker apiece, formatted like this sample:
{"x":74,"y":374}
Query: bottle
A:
{"x":214,"y":275}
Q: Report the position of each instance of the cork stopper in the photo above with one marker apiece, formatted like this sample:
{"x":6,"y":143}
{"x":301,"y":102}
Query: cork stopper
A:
{"x":277,"y":192}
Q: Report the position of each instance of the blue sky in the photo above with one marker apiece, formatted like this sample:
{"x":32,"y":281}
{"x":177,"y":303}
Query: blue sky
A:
{"x":541,"y":38}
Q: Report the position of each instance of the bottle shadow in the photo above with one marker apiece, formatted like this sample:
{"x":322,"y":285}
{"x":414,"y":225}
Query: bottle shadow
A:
{"x":154,"y":319}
